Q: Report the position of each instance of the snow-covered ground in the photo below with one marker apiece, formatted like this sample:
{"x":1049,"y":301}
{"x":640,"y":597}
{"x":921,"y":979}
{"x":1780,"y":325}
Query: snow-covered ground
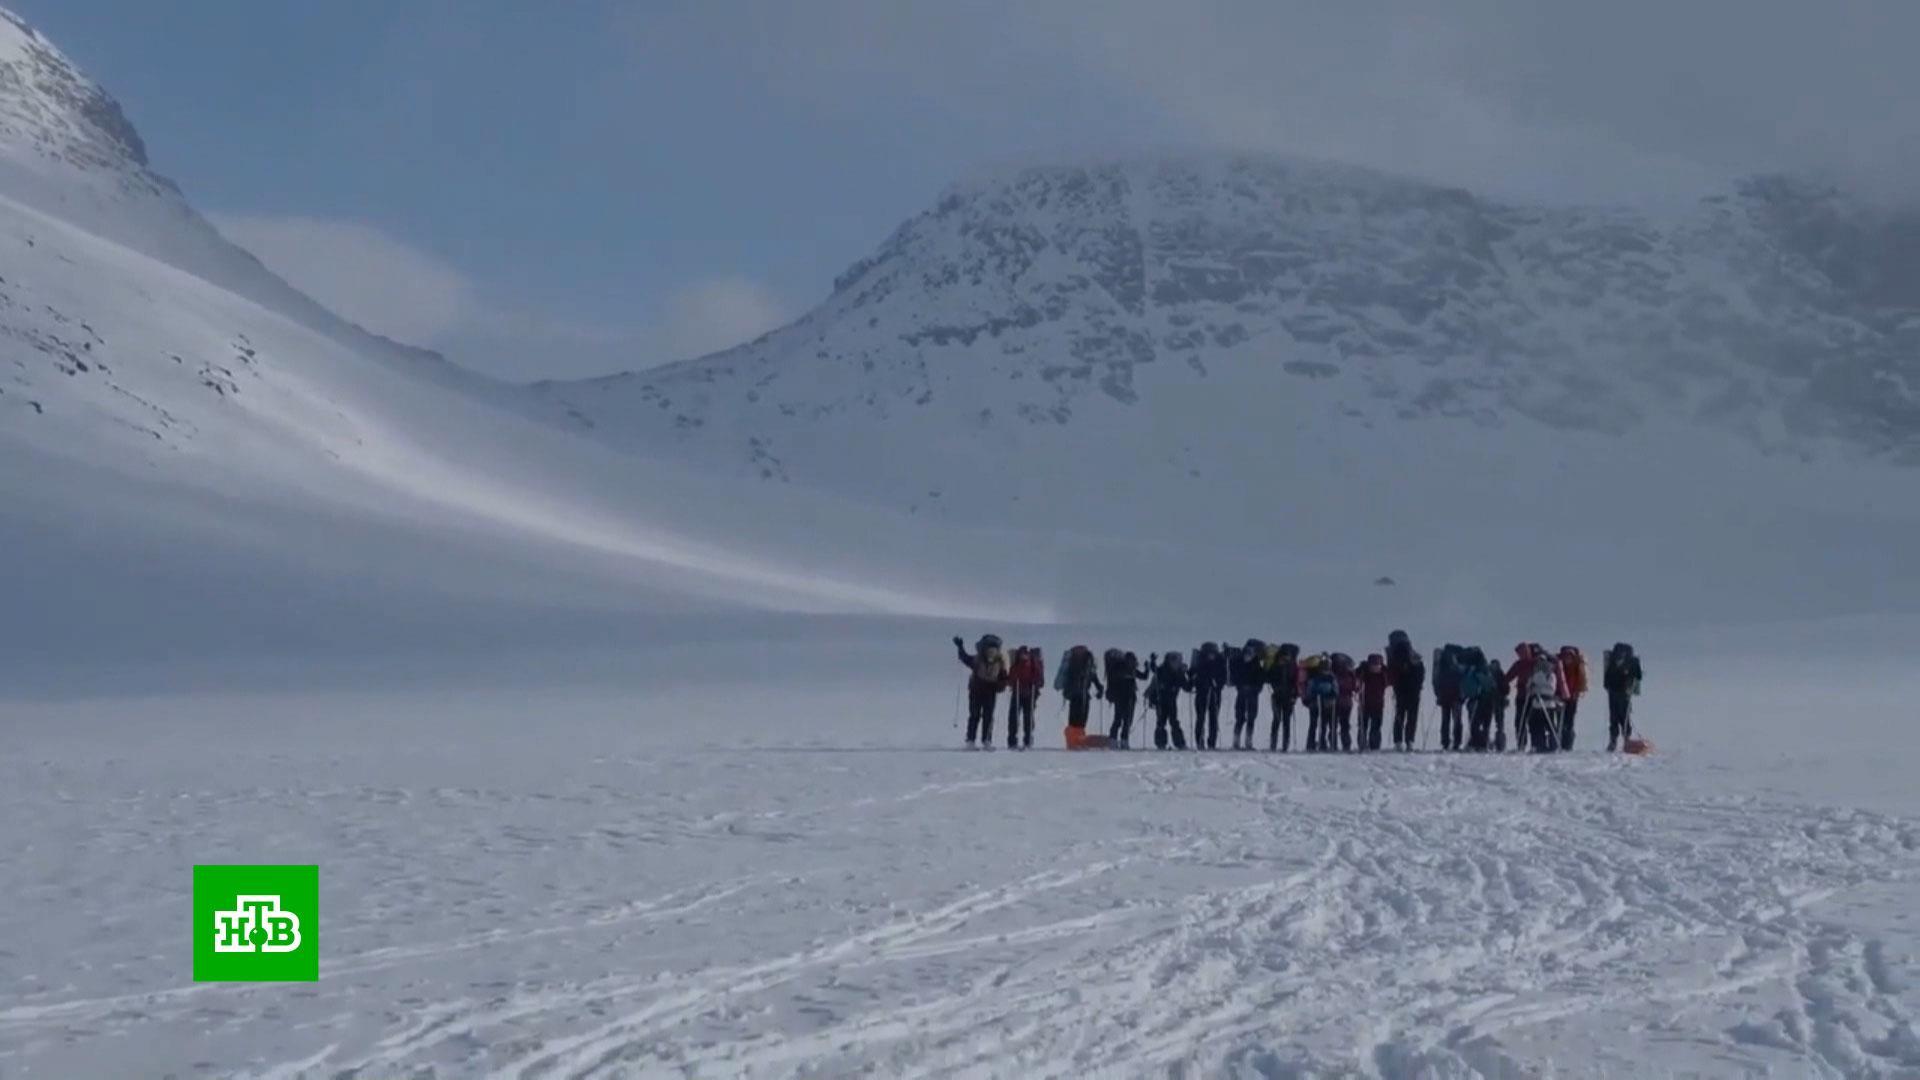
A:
{"x":615,"y":768}
{"x":762,"y":854}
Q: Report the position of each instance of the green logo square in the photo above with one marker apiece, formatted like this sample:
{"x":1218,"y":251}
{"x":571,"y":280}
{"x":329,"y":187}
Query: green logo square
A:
{"x":256,"y":923}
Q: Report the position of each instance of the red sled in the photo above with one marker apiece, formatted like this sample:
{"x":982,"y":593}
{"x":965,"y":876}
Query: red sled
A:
{"x":1078,"y":739}
{"x":1637,"y":746}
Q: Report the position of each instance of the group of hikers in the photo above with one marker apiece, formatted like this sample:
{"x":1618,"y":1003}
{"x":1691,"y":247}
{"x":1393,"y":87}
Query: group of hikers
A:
{"x":1471,"y":692}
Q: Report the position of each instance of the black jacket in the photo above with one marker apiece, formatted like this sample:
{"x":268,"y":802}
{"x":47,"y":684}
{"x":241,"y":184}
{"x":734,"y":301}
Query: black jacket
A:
{"x":1208,"y":670}
{"x":1284,"y":677}
{"x":1245,"y":674}
{"x":1622,"y":675}
{"x":1410,"y":679}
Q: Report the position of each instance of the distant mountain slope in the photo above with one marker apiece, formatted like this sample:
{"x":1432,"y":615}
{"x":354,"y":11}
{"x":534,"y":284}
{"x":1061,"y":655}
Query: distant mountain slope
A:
{"x":1243,"y":363}
{"x":191,"y":451}
{"x":1056,"y":296}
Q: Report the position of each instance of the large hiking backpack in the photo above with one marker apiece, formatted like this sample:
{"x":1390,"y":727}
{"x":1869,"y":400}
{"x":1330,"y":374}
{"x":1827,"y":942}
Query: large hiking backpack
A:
{"x":1076,"y":672}
{"x":1113,"y":662}
{"x":1446,"y":671}
{"x":1322,"y":685}
{"x":1574,"y":666}
{"x":1399,"y":650}
{"x":1476,"y":680}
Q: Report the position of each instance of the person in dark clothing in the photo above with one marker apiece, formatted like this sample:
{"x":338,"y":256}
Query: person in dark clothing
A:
{"x":1477,"y":697}
{"x":1348,"y":682}
{"x":1446,"y":693}
{"x":1407,"y":681}
{"x":1076,"y":679}
{"x":1208,"y":673}
{"x":1620,"y":677}
{"x":1284,"y":676}
{"x":1518,"y":673}
{"x":1248,"y":672}
{"x":1320,"y":692}
{"x":1500,"y":694}
{"x":1123,"y":693}
{"x":1026,"y":676}
{"x":1170,"y":678}
{"x":1473,"y":691}
{"x":1373,"y":700}
{"x":988,"y":676}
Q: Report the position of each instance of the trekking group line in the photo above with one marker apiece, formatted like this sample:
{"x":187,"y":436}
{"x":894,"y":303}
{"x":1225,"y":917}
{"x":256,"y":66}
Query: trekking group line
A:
{"x":1471,"y":695}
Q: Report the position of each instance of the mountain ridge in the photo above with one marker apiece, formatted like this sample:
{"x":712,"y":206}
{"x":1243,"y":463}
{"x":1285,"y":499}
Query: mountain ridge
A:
{"x":1441,"y":303}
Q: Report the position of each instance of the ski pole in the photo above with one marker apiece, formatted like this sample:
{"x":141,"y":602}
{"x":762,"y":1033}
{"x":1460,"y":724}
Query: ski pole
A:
{"x":956,"y":704}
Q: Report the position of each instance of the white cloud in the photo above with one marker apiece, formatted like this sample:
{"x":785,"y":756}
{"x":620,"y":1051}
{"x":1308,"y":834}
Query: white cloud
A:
{"x":1627,"y":99}
{"x":360,"y":273}
{"x":391,"y":288}
{"x":719,"y":313}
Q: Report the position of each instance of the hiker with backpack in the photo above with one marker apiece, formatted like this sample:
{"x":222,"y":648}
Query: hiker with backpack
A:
{"x":1320,"y":691}
{"x":1517,"y":674}
{"x":1446,"y":693}
{"x":1545,"y":690}
{"x":1620,"y":676}
{"x":1373,"y":700}
{"x":1477,"y":698}
{"x":1026,"y":675}
{"x":1283,"y":674}
{"x":1408,"y":676}
{"x":1498,"y":717}
{"x":1574,"y":666}
{"x":987,"y":676}
{"x":1075,"y":680}
{"x":1170,"y":678}
{"x":1248,"y":672}
{"x":1123,"y":689}
{"x":1347,"y":683}
{"x":1208,"y":672}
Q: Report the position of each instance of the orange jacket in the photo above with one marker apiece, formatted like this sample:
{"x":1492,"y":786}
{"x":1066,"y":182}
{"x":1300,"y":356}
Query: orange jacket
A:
{"x":1575,"y":666}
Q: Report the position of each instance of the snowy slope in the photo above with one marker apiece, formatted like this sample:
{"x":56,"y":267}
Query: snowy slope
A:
{"x":191,"y":444}
{"x":1216,"y":355}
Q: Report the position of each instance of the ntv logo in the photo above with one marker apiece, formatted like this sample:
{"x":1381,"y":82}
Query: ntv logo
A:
{"x":256,"y":924}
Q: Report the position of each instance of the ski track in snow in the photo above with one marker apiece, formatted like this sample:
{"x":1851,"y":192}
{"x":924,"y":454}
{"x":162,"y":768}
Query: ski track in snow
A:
{"x":918,"y":912}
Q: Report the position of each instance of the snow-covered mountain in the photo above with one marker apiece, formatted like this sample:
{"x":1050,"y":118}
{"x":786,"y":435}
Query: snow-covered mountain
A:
{"x":194,"y":453}
{"x":1222,"y":351}
{"x":1058,"y":297}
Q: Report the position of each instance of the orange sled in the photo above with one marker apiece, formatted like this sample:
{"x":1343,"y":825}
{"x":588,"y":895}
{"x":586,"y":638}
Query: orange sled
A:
{"x":1078,"y":739}
{"x":1637,"y":745}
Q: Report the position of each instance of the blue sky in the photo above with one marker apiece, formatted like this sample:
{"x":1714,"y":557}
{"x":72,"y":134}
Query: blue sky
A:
{"x":566,"y":188}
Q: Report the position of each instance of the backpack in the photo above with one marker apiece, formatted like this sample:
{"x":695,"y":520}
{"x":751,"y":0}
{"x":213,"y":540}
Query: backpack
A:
{"x":1114,"y":661}
{"x":1076,"y":671}
{"x":1473,"y":683}
{"x":1574,"y":665}
{"x":1446,"y":669}
{"x":1322,"y":686}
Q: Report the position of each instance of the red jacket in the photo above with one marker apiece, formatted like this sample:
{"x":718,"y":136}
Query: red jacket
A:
{"x":1348,"y":683}
{"x":1521,"y":669}
{"x":1027,"y":674}
{"x":1373,"y":687}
